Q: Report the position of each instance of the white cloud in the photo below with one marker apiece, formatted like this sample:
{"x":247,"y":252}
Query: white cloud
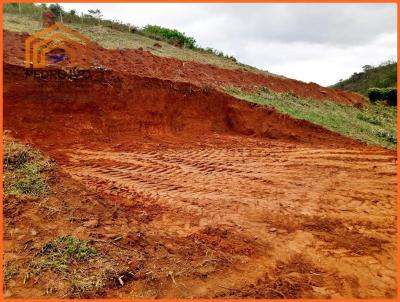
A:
{"x":310,"y":42}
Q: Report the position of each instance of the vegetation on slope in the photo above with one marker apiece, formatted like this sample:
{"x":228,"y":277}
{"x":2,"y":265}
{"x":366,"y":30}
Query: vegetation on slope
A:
{"x":373,"y":123}
{"x":382,"y":76}
{"x":116,"y":34}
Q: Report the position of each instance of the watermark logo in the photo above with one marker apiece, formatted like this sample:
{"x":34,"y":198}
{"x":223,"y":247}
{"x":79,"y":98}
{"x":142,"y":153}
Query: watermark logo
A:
{"x":57,"y":44}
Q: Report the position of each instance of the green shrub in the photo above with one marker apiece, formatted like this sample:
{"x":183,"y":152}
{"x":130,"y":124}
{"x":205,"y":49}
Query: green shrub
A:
{"x":375,"y":94}
{"x":383,"y":94}
{"x":391,"y":96}
{"x":169,"y":35}
{"x":56,"y":9}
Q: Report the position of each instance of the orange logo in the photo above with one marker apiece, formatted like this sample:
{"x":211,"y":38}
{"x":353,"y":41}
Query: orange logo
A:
{"x":36,"y":52}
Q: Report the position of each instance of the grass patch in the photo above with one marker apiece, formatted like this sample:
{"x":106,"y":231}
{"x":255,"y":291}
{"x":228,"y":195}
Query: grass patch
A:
{"x":375,"y":124}
{"x":58,"y":254}
{"x":84,"y":271}
{"x":24,"y":172}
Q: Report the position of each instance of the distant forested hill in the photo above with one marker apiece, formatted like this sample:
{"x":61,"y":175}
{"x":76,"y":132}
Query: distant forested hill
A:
{"x":382,"y":76}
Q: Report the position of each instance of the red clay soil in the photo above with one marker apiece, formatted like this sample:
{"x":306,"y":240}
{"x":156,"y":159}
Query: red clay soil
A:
{"x":145,"y":64}
{"x":191,"y":193}
{"x":123,"y":106}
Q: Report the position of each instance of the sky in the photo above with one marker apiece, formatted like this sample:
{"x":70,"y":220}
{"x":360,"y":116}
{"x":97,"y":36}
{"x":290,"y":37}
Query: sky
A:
{"x":319,"y":43}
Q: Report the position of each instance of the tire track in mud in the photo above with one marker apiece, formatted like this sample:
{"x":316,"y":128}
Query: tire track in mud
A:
{"x":331,"y":203}
{"x":254,"y":177}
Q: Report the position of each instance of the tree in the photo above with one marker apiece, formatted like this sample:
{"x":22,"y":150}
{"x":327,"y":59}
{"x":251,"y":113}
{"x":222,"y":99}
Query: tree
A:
{"x":72,"y":12}
{"x":56,"y":9}
{"x":95,"y":13}
{"x":367,"y":67}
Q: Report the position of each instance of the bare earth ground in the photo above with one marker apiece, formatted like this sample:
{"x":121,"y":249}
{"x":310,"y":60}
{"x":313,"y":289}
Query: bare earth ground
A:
{"x":334,"y":207}
{"x":234,"y":217}
{"x":191,"y":193}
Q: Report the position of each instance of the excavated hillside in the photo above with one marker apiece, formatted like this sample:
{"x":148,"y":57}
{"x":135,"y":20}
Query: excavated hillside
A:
{"x":208,"y":196}
{"x":145,"y":64}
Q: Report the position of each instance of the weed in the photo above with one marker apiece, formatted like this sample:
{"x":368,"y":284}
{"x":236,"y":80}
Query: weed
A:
{"x":84,"y":269}
{"x":58,"y":254}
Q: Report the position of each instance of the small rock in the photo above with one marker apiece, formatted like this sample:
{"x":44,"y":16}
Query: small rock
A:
{"x":92,"y":223}
{"x":272,"y":229}
{"x":33,"y":232}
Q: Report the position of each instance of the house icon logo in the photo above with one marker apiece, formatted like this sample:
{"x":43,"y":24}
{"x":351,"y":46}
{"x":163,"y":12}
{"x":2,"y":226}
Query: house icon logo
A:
{"x":57,"y":44}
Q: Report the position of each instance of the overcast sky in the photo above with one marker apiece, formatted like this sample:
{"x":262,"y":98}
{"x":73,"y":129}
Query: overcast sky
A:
{"x":321,"y":43}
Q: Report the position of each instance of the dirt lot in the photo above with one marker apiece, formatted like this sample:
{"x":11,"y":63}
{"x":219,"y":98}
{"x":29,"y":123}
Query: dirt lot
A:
{"x":329,"y":210}
{"x":232,"y":217}
{"x":194,"y":194}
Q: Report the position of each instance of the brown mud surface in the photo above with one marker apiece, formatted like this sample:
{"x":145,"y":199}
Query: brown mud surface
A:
{"x":195,"y":194}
